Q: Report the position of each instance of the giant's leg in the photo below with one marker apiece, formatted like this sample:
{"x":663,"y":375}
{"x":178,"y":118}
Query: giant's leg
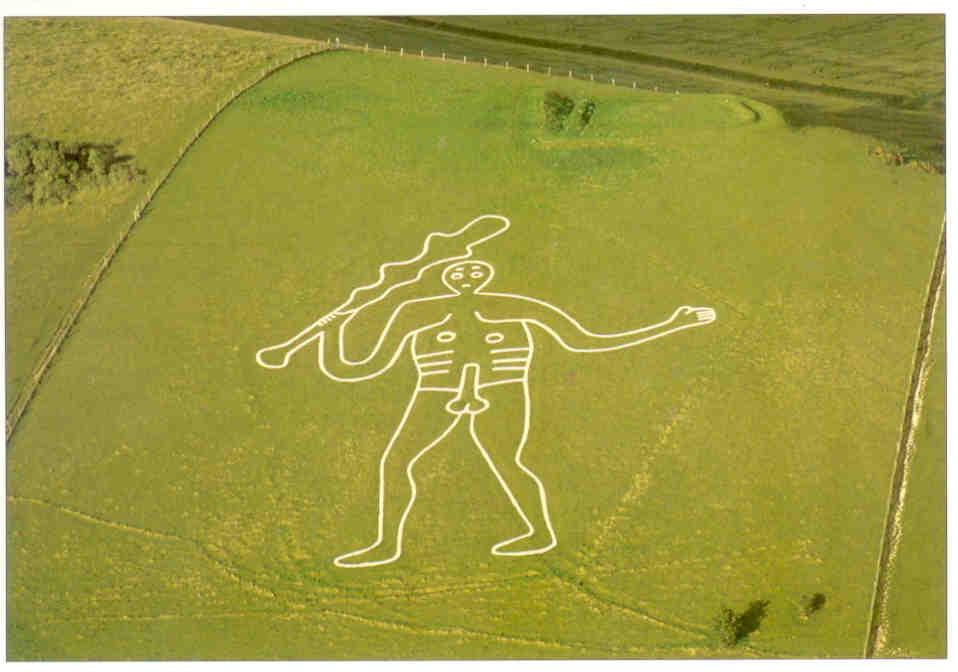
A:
{"x":424,"y":424}
{"x":500,"y":433}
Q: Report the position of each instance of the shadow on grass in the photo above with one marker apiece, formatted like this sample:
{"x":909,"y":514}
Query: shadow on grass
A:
{"x":751,"y":619}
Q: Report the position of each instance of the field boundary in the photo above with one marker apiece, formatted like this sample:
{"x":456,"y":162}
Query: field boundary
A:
{"x":445,"y":57}
{"x":69,"y":320}
{"x":643,"y":58}
{"x":891,"y":536}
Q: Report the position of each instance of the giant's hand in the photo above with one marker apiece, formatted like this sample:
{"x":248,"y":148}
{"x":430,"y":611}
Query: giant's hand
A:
{"x":687,"y":316}
{"x":278,"y":356}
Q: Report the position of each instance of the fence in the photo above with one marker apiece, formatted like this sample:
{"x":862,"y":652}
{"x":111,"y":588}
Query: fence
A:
{"x":547,"y":70}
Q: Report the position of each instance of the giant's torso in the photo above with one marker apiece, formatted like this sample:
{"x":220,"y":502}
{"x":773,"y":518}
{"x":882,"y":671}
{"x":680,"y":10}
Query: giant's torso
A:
{"x":502,"y":350}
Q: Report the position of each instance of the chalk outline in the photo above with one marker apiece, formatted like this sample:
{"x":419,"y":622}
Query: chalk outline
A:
{"x":341,"y":309}
{"x":703,"y":316}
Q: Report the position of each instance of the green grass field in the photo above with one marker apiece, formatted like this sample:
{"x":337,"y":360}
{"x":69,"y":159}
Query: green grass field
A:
{"x":168,"y":498}
{"x":884,"y":53}
{"x":917,"y":604}
{"x":145,"y":83}
{"x":878,"y":75}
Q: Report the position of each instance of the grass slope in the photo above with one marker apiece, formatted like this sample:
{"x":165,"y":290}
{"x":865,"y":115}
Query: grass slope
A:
{"x":890,"y":53}
{"x":917,"y":597}
{"x":901,"y":55}
{"x":701,"y":470}
{"x":146,"y":83}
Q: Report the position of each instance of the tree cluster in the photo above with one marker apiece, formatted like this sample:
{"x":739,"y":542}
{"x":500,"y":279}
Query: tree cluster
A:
{"x":39,"y":171}
{"x":559,"y":109}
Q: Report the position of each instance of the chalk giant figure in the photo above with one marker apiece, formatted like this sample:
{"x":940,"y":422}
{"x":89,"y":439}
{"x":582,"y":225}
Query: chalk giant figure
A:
{"x":473,"y":350}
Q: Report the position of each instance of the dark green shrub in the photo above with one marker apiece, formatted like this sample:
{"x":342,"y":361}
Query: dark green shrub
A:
{"x":731,"y":628}
{"x":557,"y":108}
{"x":812,"y":604}
{"x":17,"y":156}
{"x":39,"y":171}
{"x":725,"y":626}
{"x":586,"y":113}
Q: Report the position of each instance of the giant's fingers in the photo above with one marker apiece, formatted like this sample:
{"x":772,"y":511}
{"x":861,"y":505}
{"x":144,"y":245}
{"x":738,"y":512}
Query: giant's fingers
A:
{"x":705,"y":315}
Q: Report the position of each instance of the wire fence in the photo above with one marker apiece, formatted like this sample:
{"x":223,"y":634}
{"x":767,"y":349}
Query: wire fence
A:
{"x":532,"y":66}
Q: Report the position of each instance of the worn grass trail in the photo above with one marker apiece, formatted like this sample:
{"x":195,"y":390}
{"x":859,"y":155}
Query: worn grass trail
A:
{"x":695,"y":471}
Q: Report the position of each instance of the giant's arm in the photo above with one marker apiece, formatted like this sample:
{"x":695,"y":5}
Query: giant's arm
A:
{"x":404,"y":323}
{"x":573,"y":336}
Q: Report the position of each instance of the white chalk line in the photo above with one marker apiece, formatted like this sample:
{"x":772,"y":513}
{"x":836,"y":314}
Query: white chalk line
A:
{"x":340,"y":561}
{"x":293,"y":344}
{"x":565,"y":329}
{"x":497,"y":549}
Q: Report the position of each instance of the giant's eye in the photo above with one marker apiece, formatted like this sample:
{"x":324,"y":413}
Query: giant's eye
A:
{"x":456,"y":276}
{"x":476,"y":274}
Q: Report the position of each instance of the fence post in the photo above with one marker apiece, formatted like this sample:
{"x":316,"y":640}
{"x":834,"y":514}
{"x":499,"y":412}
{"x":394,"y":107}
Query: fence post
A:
{"x":422,"y":53}
{"x":401,"y":51}
{"x":527,"y":67}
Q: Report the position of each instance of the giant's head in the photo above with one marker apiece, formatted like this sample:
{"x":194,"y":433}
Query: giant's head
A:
{"x":467,"y":277}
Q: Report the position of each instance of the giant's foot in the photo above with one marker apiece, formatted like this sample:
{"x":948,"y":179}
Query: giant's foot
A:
{"x":532,"y":543}
{"x":371,"y":556}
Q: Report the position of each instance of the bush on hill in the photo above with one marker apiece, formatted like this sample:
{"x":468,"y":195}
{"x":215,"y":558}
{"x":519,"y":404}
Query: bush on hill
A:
{"x":557,"y":107}
{"x":585,"y":114}
{"x":39,"y":171}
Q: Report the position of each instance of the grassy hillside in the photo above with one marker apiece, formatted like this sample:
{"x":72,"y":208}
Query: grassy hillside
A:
{"x":145,"y":85}
{"x":881,"y":76}
{"x":902,"y":54}
{"x":190,"y":507}
{"x":916,"y":599}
